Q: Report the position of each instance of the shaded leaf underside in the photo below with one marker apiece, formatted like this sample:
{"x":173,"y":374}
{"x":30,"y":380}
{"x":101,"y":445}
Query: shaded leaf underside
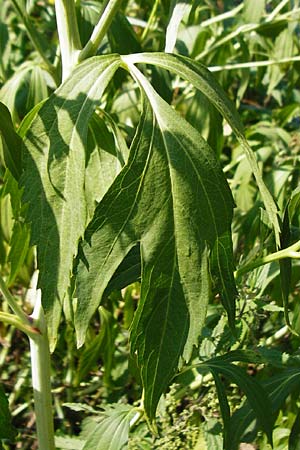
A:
{"x":173,"y":199}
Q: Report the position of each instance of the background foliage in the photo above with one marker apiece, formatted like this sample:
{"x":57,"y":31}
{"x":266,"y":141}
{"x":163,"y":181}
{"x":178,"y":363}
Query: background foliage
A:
{"x":235,"y":376}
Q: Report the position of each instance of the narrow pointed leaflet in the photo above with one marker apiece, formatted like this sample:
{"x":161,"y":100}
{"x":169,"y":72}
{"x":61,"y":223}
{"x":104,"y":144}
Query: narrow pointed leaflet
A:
{"x":178,"y":220}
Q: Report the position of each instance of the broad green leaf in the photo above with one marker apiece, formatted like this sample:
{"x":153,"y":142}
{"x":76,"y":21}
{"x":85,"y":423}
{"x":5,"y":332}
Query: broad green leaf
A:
{"x":7,"y":431}
{"x":54,"y":178}
{"x":199,"y":76}
{"x":112,"y":432}
{"x":220,"y":242}
{"x":176,"y":219}
{"x":11,"y":143}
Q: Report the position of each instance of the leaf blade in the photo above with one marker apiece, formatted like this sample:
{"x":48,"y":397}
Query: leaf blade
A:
{"x":54,"y":178}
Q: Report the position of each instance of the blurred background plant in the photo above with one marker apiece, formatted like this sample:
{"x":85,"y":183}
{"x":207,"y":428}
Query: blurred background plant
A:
{"x":254,"y":54}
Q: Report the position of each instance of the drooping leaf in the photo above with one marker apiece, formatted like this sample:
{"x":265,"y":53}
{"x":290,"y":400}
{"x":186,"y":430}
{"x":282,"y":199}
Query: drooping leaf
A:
{"x":256,"y":395}
{"x":176,"y":219}
{"x":278,"y":387}
{"x":11,"y":143}
{"x":200,"y":77}
{"x":54,"y":177}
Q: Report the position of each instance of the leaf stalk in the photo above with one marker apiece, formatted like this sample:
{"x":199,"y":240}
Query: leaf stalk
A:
{"x":290,"y":252}
{"x":12,"y":302}
{"x":108,"y":12}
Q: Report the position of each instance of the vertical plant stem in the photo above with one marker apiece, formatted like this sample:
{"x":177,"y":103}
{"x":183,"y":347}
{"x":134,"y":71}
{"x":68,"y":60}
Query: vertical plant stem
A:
{"x":40,"y":369}
{"x":68,"y":34}
{"x":100,"y":29}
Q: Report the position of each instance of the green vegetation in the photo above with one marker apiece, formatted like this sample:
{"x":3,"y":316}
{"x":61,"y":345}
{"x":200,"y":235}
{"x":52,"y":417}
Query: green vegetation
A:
{"x":150,"y":225}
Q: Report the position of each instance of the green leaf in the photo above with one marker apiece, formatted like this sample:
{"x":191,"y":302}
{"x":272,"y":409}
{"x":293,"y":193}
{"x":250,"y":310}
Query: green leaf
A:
{"x":11,"y":143}
{"x":102,"y":345}
{"x":285,"y":266}
{"x":176,"y":219}
{"x":54,"y":178}
{"x":112,"y":432}
{"x":19,"y":249}
{"x":278,"y":387}
{"x":294,"y":439}
{"x":128,"y":272}
{"x":200,"y":77}
{"x":103,"y":161}
{"x":224,"y":407}
{"x":68,"y":443}
{"x":7,"y":431}
{"x":256,"y":395}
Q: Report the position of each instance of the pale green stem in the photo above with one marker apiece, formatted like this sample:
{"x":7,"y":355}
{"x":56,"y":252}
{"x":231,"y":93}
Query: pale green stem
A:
{"x":221,"y":17}
{"x":68,"y":34}
{"x":15,"y":321}
{"x":277,"y":335}
{"x":12,"y":302}
{"x":150,"y":20}
{"x":41,"y":380}
{"x":276,"y":10}
{"x":100,"y":29}
{"x":289,"y":252}
{"x":254,"y":64}
{"x":136,"y":418}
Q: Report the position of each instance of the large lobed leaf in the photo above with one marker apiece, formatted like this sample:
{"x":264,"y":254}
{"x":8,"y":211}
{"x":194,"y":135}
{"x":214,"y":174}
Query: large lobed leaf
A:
{"x":54,"y":177}
{"x":171,"y":197}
